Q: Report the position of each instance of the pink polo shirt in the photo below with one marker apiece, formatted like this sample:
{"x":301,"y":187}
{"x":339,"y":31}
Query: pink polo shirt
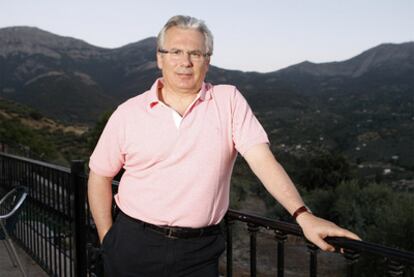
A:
{"x":177,"y":174}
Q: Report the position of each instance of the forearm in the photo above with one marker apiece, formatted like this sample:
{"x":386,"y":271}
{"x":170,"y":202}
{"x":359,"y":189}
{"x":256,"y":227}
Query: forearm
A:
{"x":281,"y":187}
{"x":278,"y":183}
{"x":274,"y":177}
{"x":100,"y":202}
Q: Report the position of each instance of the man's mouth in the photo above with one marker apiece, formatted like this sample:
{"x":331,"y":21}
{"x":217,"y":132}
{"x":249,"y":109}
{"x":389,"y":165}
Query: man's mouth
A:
{"x":182,"y":74}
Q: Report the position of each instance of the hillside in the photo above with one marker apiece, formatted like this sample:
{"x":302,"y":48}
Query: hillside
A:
{"x":27,"y":132}
{"x":362,"y":108}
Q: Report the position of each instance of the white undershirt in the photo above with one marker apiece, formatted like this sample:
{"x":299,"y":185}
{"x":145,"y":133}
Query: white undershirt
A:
{"x":176,"y":116}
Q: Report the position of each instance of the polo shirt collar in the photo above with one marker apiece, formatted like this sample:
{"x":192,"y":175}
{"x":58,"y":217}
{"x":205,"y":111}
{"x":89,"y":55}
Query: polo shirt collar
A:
{"x":204,"y":93}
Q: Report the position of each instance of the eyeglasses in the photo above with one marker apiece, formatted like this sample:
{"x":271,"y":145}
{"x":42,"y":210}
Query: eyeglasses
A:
{"x":178,"y":54}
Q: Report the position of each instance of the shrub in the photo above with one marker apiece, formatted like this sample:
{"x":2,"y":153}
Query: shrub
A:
{"x":324,"y":170}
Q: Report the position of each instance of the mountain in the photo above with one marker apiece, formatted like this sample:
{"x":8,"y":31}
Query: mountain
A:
{"x":74,"y":81}
{"x":385,"y":55}
{"x":362,"y":107}
{"x":70,"y":79}
{"x":386,"y":64}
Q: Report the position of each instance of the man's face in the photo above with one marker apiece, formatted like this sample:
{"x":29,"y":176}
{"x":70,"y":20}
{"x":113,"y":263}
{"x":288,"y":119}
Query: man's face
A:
{"x":182,"y":73}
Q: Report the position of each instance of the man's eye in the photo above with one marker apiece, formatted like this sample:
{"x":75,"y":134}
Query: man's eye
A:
{"x":196,"y":54}
{"x":176,"y":52}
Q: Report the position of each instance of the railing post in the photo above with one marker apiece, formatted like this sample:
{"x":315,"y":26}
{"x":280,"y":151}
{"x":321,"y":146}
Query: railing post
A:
{"x":79,"y":191}
{"x":5,"y":172}
{"x":395,"y":268}
{"x":351,"y":257}
{"x":229,"y":248}
{"x":313,"y":264}
{"x":2,"y":170}
{"x":253,"y":229}
{"x":280,"y":238}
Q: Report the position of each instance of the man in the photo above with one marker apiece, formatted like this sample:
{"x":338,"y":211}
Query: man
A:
{"x":178,"y":143}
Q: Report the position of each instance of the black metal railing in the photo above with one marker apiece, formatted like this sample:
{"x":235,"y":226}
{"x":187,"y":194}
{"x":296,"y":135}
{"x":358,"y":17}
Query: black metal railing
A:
{"x":57,"y":231}
{"x":45,"y":230}
{"x":397,"y":261}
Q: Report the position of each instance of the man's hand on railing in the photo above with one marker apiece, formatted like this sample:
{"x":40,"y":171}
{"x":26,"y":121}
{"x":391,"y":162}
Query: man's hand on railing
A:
{"x":316,"y":229}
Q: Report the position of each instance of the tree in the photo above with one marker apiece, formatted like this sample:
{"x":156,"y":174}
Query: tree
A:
{"x":324,"y":170}
{"x":94,"y":134}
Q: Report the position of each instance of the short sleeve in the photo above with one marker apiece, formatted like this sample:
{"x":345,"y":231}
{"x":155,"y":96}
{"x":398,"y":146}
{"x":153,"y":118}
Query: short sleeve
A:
{"x":108,"y":157}
{"x":247,"y":130}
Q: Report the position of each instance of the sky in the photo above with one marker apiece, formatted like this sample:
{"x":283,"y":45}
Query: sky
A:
{"x":262,"y":35}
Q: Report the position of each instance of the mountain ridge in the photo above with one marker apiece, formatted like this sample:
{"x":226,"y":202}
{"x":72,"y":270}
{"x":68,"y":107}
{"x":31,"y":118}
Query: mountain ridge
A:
{"x":362,"y":107}
{"x":353,"y":67}
{"x":34,"y":32}
{"x":96,"y":75}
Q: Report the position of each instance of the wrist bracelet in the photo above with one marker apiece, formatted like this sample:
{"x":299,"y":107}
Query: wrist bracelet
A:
{"x":301,"y":210}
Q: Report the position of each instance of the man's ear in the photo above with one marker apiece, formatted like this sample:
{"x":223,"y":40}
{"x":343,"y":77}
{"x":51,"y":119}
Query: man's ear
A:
{"x":208,"y":63}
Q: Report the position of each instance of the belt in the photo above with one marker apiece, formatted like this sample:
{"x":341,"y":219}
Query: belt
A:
{"x":177,"y":232}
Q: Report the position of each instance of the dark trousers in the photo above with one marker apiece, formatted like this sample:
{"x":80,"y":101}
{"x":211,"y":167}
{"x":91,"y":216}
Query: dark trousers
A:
{"x":130,"y":249}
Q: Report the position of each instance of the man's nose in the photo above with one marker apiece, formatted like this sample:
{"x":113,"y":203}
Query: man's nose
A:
{"x":185,"y":59}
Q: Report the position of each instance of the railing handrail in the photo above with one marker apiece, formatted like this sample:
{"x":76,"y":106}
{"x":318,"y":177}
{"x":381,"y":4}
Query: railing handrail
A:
{"x":37,"y":162}
{"x":403,"y":256}
{"x":283,"y":228}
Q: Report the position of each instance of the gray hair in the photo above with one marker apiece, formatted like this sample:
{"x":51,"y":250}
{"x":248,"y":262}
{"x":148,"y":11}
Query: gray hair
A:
{"x":187,"y":22}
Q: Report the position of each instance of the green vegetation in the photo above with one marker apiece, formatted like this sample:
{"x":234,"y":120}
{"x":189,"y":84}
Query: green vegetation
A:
{"x":374,"y":211}
{"x":324,"y":170}
{"x":95,"y":132}
{"x":12,"y":107}
{"x":377,"y":212}
{"x":26,"y":132}
{"x":26,"y":140}
{"x":326,"y":179}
